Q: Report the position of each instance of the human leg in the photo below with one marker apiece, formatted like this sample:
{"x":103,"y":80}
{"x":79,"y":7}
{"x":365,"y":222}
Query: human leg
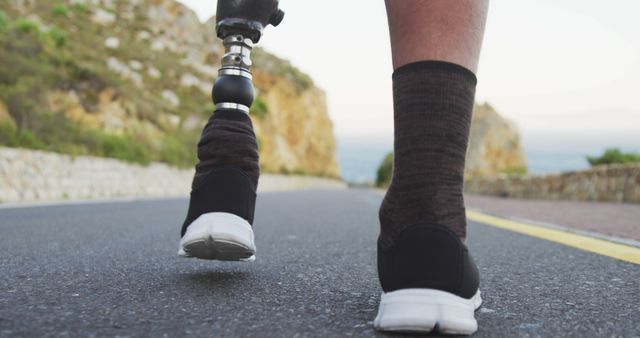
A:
{"x":421,"y":255}
{"x":446,"y":30}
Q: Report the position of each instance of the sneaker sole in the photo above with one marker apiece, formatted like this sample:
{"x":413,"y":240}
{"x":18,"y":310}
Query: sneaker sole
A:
{"x":427,"y":310}
{"x":220,"y":236}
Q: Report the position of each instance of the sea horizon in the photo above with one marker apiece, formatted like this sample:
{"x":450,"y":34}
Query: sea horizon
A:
{"x":360,"y":155}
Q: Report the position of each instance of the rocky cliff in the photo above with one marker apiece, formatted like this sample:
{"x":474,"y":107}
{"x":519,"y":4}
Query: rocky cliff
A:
{"x":494,"y":145}
{"x":132,"y":79}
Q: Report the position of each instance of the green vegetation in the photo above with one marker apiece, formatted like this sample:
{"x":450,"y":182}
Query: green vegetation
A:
{"x":31,"y":73}
{"x":259,"y":108}
{"x":13,"y":138}
{"x":73,"y":60}
{"x":60,"y":10}
{"x":385,"y":170}
{"x":3,"y":21}
{"x":297,"y":171}
{"x":80,"y":8}
{"x":259,"y":142}
{"x":54,"y":81}
{"x":613,"y":156}
{"x":120,"y":147}
{"x":55,"y":133}
{"x":515,"y":171}
{"x":207,"y":109}
{"x":58,"y":36}
{"x":27,"y":26}
{"x":174,"y":151}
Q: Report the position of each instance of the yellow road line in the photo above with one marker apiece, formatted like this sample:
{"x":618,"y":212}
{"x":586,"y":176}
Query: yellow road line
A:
{"x":599,"y":246}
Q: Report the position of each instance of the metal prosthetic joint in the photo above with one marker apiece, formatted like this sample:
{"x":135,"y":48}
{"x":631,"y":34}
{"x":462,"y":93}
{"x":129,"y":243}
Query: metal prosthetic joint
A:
{"x":240,"y":24}
{"x":234,"y":87}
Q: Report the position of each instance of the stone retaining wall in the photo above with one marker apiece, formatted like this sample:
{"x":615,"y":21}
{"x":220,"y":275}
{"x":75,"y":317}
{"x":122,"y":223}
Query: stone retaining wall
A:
{"x":27,"y":175}
{"x":614,"y":183}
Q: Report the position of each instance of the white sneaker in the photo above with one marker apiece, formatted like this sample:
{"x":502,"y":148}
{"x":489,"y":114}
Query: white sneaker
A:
{"x":219,"y":235}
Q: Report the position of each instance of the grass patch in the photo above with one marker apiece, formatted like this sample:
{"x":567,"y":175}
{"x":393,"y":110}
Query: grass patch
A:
{"x":60,"y":10}
{"x":58,"y":36}
{"x":4,"y":22}
{"x":27,"y":26}
{"x":12,"y":137}
{"x":116,"y":146}
{"x":80,"y":8}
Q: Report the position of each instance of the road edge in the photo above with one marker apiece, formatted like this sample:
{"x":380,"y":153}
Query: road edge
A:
{"x":601,"y":245}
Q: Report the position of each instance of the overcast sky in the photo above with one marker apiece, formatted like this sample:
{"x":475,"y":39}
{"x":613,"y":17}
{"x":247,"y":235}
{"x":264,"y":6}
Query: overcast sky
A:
{"x":558,"y":67}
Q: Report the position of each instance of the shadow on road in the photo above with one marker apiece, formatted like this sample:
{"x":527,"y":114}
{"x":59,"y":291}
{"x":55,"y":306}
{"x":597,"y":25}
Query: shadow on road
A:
{"x":215,"y":279}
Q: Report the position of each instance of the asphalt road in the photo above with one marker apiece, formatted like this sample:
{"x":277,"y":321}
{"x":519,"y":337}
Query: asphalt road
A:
{"x":111,"y":269}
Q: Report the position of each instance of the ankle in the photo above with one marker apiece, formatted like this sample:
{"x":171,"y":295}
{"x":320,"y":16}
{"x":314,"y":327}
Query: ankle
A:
{"x":398,"y":214}
{"x":433,"y":102}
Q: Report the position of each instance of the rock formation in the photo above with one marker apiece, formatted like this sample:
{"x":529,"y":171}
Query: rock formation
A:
{"x":494,"y":145}
{"x":132,"y":80}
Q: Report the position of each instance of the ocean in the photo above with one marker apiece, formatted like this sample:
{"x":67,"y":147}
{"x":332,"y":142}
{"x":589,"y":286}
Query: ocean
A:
{"x":360,"y":156}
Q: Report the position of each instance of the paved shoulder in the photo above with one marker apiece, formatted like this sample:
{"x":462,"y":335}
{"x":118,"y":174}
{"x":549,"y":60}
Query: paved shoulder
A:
{"x":111,"y":269}
{"x":613,"y":219}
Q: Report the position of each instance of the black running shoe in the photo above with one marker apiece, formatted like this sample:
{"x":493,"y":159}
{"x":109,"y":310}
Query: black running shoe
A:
{"x":430,"y":283}
{"x":219,"y":221}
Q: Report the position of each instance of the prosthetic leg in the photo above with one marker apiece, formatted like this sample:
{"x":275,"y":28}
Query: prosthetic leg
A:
{"x":220,"y":217}
{"x":240,"y":24}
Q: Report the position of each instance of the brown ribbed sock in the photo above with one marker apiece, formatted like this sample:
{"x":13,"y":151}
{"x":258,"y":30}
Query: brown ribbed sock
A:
{"x":433,"y":102}
{"x":228,"y":140}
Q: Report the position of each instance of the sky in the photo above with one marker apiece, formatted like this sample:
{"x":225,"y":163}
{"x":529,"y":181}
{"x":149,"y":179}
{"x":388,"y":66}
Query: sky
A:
{"x":558,"y":69}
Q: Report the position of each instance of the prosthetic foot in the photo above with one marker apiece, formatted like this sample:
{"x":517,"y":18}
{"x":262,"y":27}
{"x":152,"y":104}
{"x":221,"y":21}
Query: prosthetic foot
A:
{"x":220,"y":217}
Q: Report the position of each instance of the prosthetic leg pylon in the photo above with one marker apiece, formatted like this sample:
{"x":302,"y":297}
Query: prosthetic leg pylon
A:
{"x":240,"y":25}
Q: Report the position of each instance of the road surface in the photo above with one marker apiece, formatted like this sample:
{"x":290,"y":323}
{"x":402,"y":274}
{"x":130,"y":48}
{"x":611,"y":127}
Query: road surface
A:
{"x":110,"y":269}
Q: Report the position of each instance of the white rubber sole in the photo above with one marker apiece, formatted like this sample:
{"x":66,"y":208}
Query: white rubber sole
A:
{"x":427,"y":310}
{"x":219,"y":235}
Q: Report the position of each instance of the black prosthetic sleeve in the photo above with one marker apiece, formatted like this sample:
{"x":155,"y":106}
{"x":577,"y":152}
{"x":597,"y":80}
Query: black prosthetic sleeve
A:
{"x":228,"y":140}
{"x":225,"y":189}
{"x":227,"y":174}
